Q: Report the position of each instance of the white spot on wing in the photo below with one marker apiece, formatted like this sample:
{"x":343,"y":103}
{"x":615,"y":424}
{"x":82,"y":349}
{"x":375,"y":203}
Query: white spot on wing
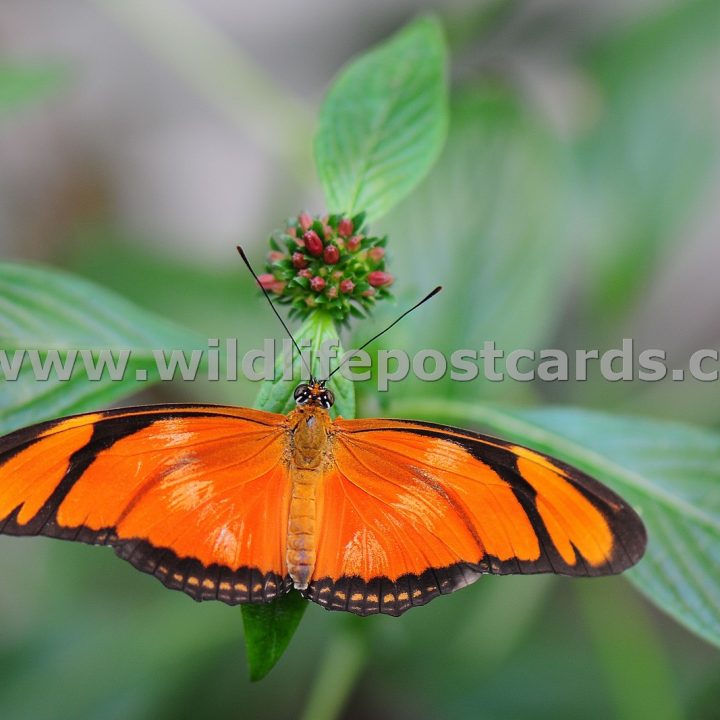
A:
{"x":443,"y":455}
{"x":188,"y":495}
{"x":364,"y":555}
{"x":185,"y":491}
{"x":225,"y":545}
{"x":173,"y":432}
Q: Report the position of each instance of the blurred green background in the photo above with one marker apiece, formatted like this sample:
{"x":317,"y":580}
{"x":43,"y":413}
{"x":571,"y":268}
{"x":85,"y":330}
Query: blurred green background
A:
{"x":577,"y":203}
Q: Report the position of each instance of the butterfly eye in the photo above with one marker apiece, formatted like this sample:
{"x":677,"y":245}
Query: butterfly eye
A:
{"x":327,"y":399}
{"x":302,"y":394}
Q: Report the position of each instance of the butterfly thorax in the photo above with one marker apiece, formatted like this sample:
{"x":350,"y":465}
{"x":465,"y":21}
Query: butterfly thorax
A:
{"x":309,"y":426}
{"x":310,"y":454}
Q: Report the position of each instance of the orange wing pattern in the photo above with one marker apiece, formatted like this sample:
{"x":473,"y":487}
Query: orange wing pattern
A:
{"x":199,"y":496}
{"x":195,"y":495}
{"x":413,"y":510}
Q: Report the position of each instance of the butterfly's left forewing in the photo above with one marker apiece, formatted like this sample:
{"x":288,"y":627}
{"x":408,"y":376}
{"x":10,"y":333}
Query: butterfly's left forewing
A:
{"x":413,"y":510}
{"x":195,"y":495}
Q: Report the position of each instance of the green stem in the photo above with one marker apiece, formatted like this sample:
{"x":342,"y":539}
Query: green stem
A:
{"x":343,"y":663}
{"x":640,"y":679}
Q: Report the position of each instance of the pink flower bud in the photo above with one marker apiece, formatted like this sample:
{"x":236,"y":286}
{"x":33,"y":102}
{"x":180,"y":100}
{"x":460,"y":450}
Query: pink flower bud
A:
{"x":328,"y":231}
{"x":378,"y":278}
{"x":291,"y":231}
{"x":275,"y":255}
{"x":299,"y":261}
{"x":368,"y":293}
{"x":337,"y":275}
{"x":313,"y":243}
{"x":376,"y":254}
{"x":347,"y":286}
{"x":317,"y":283}
{"x":331,"y":255}
{"x":345,"y":227}
{"x":267,"y":280}
{"x":353,"y":244}
{"x":332,"y":292}
{"x":305,"y":221}
{"x":305,"y":273}
{"x":271,"y":283}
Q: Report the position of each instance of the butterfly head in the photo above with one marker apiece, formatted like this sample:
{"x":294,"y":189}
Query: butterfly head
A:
{"x":314,"y":394}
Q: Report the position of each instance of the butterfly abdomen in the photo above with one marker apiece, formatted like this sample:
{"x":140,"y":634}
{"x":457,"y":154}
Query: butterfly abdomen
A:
{"x":309,"y":447}
{"x":301,"y":536}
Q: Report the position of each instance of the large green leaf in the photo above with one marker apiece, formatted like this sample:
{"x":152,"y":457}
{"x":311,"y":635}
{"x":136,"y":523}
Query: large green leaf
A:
{"x":668,"y":471}
{"x":48,"y":311}
{"x":383,"y":122}
{"x":490,"y":224}
{"x":216,"y":298}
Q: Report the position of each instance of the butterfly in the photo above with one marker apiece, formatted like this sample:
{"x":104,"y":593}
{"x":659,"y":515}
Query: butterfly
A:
{"x":366,"y":516}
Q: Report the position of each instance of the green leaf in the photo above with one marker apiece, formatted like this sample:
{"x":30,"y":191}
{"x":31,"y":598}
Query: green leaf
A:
{"x":490,"y":224}
{"x":209,"y":297}
{"x":668,"y":471}
{"x":383,"y":122}
{"x":269,"y":627}
{"x":45,"y":310}
{"x":20,"y":85}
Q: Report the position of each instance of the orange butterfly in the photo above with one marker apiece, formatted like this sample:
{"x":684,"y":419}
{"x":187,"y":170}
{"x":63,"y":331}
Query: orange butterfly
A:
{"x":367,"y":516}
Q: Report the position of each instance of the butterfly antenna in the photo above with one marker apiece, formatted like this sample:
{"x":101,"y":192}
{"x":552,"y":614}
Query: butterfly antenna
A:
{"x":382,"y":332}
{"x":274,"y":309}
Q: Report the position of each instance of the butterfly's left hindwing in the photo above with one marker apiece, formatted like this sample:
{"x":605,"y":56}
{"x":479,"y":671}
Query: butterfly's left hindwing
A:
{"x":195,"y":495}
{"x":414,"y":510}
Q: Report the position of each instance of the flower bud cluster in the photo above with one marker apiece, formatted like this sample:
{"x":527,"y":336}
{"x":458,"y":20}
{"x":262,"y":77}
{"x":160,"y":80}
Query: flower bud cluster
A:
{"x":328,"y":263}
